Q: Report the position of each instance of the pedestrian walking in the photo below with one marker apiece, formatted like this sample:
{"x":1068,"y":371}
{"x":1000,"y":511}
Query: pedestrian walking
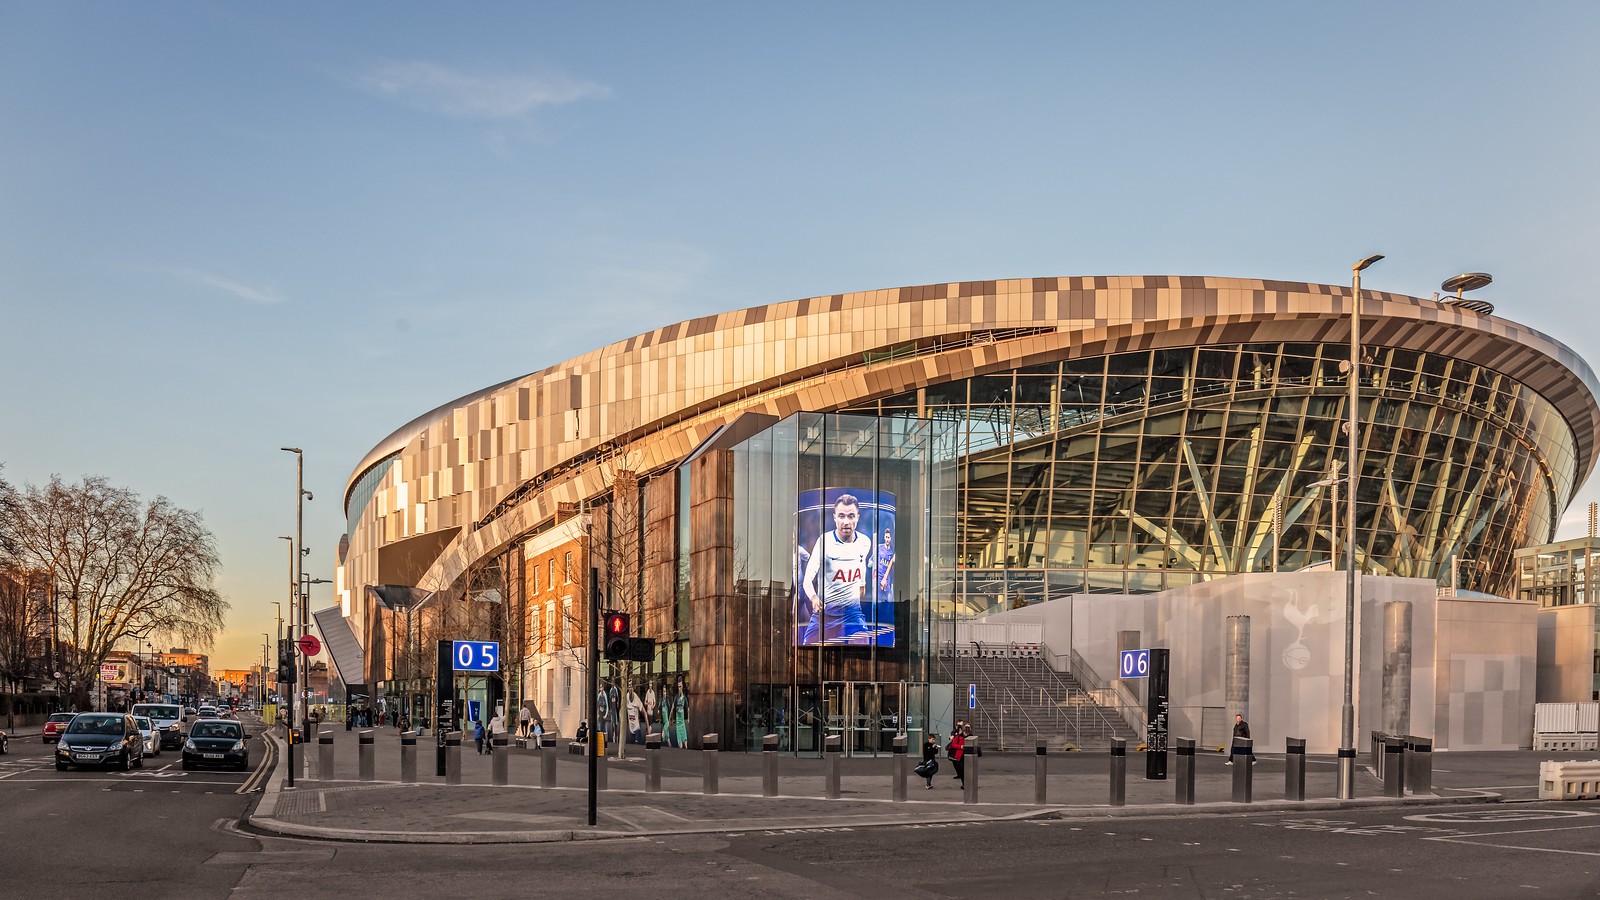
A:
{"x":1241,"y":729}
{"x":929,"y":766}
{"x":957,"y":751}
{"x":524,"y":720}
{"x":497,"y":725}
{"x":477,"y":734}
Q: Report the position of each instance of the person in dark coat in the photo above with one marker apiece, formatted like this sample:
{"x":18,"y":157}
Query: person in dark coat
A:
{"x":930,"y":759}
{"x":1241,"y":729}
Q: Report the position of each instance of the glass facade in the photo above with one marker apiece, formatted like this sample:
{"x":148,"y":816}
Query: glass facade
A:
{"x":841,"y":523}
{"x":1141,"y":471}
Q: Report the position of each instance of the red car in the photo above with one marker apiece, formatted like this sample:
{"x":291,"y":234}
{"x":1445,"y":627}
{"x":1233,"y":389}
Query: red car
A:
{"x":57,"y":724}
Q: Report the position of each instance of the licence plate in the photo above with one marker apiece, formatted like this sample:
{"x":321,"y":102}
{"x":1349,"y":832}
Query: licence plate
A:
{"x":212,"y":755}
{"x":86,"y":756}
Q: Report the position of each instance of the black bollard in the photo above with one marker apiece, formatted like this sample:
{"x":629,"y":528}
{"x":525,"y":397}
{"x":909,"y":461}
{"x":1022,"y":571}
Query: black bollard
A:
{"x":970,"y":762}
{"x":325,"y":755}
{"x":1183,"y":791}
{"x":439,"y":761}
{"x":832,"y":745}
{"x":408,"y":757}
{"x":452,"y":771}
{"x":1119,"y":772}
{"x":769,"y":765}
{"x":708,"y":780}
{"x":1394,"y":766}
{"x":1419,"y":765}
{"x":901,"y":764}
{"x":652,"y":762}
{"x":1244,"y":769}
{"x":1041,"y":771}
{"x":365,"y":752}
{"x":1294,"y":769}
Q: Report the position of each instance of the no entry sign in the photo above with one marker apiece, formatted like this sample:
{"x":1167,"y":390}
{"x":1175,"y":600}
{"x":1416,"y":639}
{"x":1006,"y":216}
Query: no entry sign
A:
{"x":309,"y":645}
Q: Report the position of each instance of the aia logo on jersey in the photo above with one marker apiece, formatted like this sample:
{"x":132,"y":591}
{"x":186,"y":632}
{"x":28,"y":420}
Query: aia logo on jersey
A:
{"x":846,"y":576}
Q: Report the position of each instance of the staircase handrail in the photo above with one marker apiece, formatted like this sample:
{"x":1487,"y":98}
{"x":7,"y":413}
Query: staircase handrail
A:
{"x":1126,"y":702}
{"x":1064,"y":689}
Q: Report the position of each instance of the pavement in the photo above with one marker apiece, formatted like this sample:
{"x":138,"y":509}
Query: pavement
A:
{"x":338,"y":805}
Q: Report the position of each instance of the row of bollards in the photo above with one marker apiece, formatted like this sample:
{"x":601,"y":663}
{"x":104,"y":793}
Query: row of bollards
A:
{"x":1402,"y":762}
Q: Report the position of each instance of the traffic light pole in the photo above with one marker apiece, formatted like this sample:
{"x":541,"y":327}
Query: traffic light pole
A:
{"x":594,"y":688}
{"x":289,"y":722}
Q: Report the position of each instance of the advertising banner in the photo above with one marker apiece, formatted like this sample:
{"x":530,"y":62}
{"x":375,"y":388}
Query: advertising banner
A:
{"x":115,"y":673}
{"x":844,"y":568}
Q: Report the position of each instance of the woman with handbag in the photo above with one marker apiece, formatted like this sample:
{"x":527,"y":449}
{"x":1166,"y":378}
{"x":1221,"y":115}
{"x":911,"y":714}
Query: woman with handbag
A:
{"x":929,"y":766}
{"x":957,"y":751}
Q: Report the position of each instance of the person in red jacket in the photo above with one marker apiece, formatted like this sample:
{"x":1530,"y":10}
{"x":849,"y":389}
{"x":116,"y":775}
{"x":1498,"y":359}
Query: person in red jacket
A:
{"x":957,"y":751}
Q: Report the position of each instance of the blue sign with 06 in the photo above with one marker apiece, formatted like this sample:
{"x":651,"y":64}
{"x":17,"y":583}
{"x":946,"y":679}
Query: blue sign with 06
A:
{"x":475,"y":656}
{"x":1133,"y":664}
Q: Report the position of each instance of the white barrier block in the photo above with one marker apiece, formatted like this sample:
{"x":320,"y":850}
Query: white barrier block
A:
{"x":1570,"y":780}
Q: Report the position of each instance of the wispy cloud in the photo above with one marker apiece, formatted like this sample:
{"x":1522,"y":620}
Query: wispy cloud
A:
{"x":226,"y":285}
{"x":466,"y":95}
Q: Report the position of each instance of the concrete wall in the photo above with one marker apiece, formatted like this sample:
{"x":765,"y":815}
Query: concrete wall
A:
{"x":1566,"y":654}
{"x":1487,"y":661}
{"x":1472,"y":659}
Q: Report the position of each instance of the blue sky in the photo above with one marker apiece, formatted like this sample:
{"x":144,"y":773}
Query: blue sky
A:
{"x":227,"y":228}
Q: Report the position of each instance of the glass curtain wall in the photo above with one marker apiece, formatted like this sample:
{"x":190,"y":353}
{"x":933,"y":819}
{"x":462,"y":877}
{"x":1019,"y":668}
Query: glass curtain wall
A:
{"x":839,"y":522}
{"x":1146,"y":470}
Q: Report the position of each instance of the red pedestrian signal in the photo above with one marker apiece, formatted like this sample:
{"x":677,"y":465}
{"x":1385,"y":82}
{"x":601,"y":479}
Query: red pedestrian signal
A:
{"x":616,"y":626}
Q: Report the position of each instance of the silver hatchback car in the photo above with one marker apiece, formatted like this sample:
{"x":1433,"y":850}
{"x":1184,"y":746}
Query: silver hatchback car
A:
{"x":151,"y":735}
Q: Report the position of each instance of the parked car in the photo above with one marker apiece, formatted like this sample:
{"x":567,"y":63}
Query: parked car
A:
{"x":216,"y":742}
{"x":150,"y":734}
{"x":5,"y":742}
{"x":96,"y":739}
{"x":56,"y":724}
{"x":168,"y":719}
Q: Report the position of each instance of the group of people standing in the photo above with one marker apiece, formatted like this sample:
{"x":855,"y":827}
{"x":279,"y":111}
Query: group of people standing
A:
{"x":955,"y":750}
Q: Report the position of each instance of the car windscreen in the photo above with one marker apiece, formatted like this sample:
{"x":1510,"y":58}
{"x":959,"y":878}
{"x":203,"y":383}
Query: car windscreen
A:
{"x":62,"y":717}
{"x":144,"y":723}
{"x":156,"y":711}
{"x":215,"y":730}
{"x":95,"y":725}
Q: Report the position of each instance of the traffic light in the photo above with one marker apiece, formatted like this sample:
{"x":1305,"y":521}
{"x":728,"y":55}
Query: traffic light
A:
{"x":615,"y":640}
{"x":285,"y":661}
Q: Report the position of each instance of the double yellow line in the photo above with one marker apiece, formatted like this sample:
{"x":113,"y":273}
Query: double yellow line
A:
{"x":259,"y":776}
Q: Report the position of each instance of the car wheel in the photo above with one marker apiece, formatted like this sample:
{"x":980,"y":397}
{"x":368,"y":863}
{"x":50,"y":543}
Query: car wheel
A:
{"x":61,"y":767}
{"x":126,"y":762}
{"x":186,"y":765}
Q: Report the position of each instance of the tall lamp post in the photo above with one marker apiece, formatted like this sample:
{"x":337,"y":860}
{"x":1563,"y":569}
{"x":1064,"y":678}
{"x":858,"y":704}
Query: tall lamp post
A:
{"x":1347,"y":723}
{"x":296,"y":610}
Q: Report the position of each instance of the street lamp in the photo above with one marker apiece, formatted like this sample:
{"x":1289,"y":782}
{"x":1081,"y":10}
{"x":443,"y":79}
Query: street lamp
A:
{"x":299,"y":535}
{"x":1347,"y":723}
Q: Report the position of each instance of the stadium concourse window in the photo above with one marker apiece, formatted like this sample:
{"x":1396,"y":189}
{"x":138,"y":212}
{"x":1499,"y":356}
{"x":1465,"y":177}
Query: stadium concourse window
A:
{"x":843,"y":521}
{"x":1147,"y":470}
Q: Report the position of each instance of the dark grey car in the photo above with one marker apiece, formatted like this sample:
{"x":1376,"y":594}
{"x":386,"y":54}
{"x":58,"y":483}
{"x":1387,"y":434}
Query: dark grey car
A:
{"x":101,"y":739}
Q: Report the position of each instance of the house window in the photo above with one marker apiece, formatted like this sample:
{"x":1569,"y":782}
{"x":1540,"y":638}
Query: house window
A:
{"x":569,"y":566}
{"x":566,"y":675}
{"x":566,"y":623}
{"x":534,"y":587}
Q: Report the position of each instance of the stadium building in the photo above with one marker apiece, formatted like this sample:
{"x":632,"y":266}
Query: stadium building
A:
{"x":865,"y":514}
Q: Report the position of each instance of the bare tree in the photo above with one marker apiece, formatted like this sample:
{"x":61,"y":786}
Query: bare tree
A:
{"x":24,"y":617}
{"x":120,"y":569}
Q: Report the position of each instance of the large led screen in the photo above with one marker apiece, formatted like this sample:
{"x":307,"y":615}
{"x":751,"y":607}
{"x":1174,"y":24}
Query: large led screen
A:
{"x":844,"y":568}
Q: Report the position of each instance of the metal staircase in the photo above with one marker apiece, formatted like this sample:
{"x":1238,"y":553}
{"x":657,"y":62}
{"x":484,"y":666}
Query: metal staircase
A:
{"x":1021,"y":700}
